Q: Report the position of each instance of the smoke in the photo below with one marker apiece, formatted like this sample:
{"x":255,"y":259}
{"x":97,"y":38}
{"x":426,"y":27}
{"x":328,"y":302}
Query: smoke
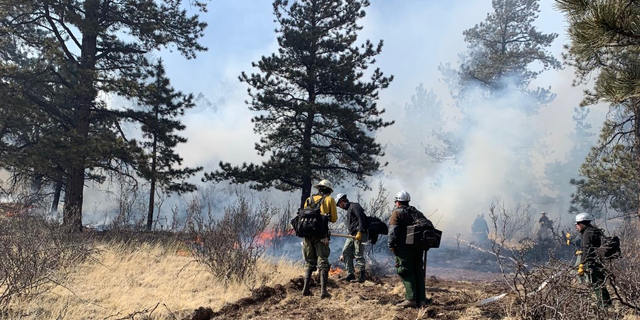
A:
{"x":504,"y":149}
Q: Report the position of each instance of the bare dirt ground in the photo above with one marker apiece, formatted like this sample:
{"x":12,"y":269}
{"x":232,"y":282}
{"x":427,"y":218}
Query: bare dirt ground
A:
{"x":374,"y":299}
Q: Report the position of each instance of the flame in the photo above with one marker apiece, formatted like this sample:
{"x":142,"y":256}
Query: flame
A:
{"x":265,"y":237}
{"x":334,"y":271}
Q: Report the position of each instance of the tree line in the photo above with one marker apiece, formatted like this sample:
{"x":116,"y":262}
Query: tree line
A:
{"x":315,"y":98}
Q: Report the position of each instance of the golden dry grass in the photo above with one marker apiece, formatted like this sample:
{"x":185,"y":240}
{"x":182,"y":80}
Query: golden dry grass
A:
{"x":121,"y":280}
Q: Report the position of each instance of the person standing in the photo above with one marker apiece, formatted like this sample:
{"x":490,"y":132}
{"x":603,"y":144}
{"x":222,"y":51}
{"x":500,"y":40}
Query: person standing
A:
{"x":590,"y":265}
{"x":480,"y":229}
{"x":315,"y":250}
{"x":409,"y":263}
{"x":354,"y":247}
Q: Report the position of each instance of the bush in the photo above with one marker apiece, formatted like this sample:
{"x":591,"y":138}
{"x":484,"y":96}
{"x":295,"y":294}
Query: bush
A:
{"x":35,"y":255}
{"x":552,"y":290}
{"x":229,"y":246}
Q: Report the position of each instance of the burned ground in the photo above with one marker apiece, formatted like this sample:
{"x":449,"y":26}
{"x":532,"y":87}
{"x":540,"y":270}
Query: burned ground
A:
{"x":373,"y":299}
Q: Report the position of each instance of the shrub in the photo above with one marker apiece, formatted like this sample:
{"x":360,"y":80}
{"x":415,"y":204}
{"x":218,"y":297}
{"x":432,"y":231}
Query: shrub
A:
{"x":34,"y":256}
{"x":228,"y":246}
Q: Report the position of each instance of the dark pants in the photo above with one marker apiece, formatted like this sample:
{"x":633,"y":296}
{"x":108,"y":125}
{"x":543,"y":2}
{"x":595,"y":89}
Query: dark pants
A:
{"x":597,"y":278}
{"x":409,"y":266}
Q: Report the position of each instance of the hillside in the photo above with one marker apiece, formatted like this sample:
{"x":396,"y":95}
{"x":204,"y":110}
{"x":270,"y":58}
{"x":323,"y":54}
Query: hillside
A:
{"x":160,"y":281}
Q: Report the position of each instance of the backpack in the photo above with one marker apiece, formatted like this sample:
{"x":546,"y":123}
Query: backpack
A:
{"x":421,"y":234}
{"x":309,"y":222}
{"x":376,"y":227}
{"x":609,"y":247}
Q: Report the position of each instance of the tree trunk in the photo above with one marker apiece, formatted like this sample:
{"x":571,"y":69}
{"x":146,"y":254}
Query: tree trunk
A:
{"x":152,"y":190}
{"x":85,"y":94}
{"x":56,"y":196}
{"x":306,"y":151}
{"x":636,"y":147}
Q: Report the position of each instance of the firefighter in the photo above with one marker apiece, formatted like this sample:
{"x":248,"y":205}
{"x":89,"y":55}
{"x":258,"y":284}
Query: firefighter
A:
{"x":354,"y":247}
{"x":409,"y":263}
{"x":315,"y":250}
{"x":590,"y":265}
{"x":480,"y":229}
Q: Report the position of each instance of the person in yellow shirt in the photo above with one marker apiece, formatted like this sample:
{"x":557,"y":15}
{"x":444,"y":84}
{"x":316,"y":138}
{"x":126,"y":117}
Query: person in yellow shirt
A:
{"x":315,"y":250}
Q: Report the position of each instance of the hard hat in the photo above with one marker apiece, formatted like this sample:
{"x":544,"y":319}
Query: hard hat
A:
{"x":340,"y":196}
{"x":324,"y":183}
{"x":403,"y":196}
{"x":543,"y":212}
{"x":583,"y":216}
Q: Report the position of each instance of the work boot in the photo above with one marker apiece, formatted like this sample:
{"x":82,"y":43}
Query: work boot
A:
{"x":407,"y":304}
{"x":361,"y":276}
{"x":350,"y":277}
{"x":307,"y":283}
{"x":324,"y":281}
{"x":424,"y":304}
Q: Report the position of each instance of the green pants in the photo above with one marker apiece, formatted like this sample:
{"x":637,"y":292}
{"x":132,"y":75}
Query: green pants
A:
{"x":409,"y":266}
{"x":315,"y":252}
{"x":354,"y":249}
{"x":597,"y":278}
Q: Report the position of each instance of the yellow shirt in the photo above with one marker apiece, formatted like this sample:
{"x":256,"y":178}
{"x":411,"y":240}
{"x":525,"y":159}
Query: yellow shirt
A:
{"x":327,"y":207}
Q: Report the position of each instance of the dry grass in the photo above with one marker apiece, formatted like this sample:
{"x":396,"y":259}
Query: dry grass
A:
{"x":122,"y":280}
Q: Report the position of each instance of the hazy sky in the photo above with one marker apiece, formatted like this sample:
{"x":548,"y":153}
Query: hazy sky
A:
{"x":418,"y":36}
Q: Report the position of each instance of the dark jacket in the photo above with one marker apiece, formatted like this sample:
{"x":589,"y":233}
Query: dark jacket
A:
{"x":400,"y":218}
{"x":591,"y":241}
{"x":480,"y":225}
{"x":356,"y":219}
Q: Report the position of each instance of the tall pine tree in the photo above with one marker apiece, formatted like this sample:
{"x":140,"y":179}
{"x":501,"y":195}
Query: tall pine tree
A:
{"x":163,"y":105}
{"x":502,"y":49}
{"x":317,"y":112}
{"x":91,"y":46}
{"x":605,"y":43}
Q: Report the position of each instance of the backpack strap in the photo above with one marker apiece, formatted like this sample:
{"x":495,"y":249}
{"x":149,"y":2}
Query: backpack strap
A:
{"x":314,"y":204}
{"x":413,"y":213}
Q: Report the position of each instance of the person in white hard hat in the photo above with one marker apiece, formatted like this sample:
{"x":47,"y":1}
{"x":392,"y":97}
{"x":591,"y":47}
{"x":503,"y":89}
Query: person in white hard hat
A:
{"x":590,"y":265}
{"x":409,"y":263}
{"x":315,"y":250}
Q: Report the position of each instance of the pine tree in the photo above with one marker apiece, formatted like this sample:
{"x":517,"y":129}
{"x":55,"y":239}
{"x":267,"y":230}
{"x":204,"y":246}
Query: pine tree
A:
{"x":81,"y":45}
{"x":163,"y":106}
{"x":608,"y":177}
{"x":317,"y":112}
{"x":605,"y":44}
{"x":501,"y":50}
{"x":501,"y":54}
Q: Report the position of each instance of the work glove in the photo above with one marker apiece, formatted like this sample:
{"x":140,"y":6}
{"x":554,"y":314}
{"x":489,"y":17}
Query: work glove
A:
{"x":568,"y":235}
{"x":325,"y":241}
{"x":393,"y":250}
{"x":581,"y":269}
{"x":341,"y":258}
{"x":578,"y":252}
{"x":358,"y":236}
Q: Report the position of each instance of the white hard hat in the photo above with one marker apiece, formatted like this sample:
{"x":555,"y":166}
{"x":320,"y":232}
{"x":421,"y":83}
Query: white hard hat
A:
{"x":583,"y":216}
{"x":324,"y":183}
{"x":340,"y":196}
{"x":403,"y":196}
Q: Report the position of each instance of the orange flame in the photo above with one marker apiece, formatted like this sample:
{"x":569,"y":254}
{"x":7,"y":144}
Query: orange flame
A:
{"x":334,"y":271}
{"x":265,"y":237}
